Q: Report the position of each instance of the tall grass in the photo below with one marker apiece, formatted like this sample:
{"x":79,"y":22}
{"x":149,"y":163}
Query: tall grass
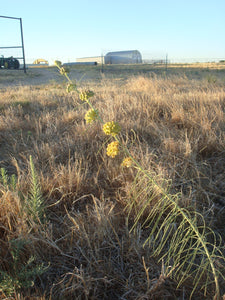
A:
{"x":112,"y":232}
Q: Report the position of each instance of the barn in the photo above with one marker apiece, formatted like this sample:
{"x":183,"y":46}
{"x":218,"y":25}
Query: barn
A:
{"x":123,"y":57}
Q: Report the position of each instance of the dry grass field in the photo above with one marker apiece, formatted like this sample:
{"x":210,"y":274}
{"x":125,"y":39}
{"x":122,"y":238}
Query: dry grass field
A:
{"x":72,"y":222}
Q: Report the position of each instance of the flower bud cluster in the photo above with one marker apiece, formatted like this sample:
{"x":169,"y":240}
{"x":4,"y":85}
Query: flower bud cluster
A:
{"x":127,"y":162}
{"x":86,"y":94}
{"x":71,"y":87}
{"x":58,"y":63}
{"x":91,"y":115}
{"x":64,"y":70}
{"x":111,"y":128}
{"x":112,"y":149}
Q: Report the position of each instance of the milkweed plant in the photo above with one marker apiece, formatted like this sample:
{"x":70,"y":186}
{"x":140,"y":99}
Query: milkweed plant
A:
{"x":178,"y":236}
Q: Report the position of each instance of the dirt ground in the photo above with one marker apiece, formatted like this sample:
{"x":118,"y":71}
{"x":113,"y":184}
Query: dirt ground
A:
{"x":33,"y":76}
{"x":39,"y":76}
{"x":84,"y":73}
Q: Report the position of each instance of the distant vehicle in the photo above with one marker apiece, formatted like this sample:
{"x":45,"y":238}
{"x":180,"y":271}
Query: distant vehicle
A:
{"x":40,"y":61}
{"x":9,"y":63}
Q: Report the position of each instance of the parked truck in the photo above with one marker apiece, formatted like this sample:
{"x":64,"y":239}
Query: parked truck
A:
{"x":9,"y":63}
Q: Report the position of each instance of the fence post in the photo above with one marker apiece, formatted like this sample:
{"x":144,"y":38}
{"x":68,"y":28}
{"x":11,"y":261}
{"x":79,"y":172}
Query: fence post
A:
{"x":166,"y":61}
{"x":21,"y":29}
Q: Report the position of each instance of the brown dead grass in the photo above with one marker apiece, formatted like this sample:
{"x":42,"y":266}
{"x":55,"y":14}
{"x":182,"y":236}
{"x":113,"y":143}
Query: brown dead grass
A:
{"x":173,"y":126}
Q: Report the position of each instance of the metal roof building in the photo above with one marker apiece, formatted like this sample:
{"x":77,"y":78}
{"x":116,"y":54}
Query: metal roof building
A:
{"x":94,"y":59}
{"x":123,"y":57}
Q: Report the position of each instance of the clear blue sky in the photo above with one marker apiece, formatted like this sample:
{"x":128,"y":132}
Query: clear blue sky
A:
{"x":68,"y":29}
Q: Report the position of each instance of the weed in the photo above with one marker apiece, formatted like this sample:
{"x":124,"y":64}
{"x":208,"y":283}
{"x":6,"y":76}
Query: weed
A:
{"x":35,"y":201}
{"x":184,"y":244}
{"x":22,"y":272}
{"x":9,"y":182}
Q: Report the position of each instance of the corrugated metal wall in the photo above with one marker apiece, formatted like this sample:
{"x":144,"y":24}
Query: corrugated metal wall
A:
{"x":123,"y":57}
{"x":97,"y":59}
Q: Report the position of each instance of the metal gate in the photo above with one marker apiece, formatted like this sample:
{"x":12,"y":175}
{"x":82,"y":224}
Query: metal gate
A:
{"x":22,"y":42}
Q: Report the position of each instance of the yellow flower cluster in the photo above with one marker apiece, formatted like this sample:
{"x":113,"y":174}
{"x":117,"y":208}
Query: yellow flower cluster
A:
{"x":111,"y":128}
{"x":91,"y":115}
{"x":85,"y":95}
{"x":127,"y":162}
{"x":112,"y":149}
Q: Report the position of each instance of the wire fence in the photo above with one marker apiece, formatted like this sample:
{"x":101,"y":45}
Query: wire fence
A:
{"x":146,"y":58}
